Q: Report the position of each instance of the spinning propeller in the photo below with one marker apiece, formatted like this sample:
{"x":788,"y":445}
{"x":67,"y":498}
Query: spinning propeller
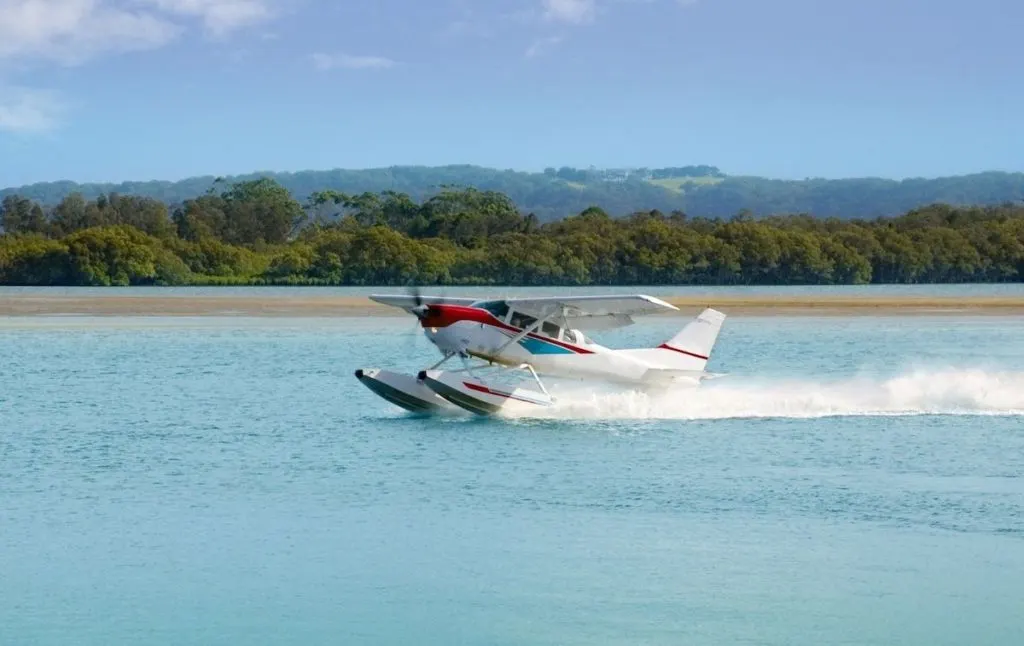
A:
{"x":419,"y":309}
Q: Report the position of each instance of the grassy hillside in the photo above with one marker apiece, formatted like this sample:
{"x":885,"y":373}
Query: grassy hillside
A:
{"x":557,"y":193}
{"x":681,"y":184}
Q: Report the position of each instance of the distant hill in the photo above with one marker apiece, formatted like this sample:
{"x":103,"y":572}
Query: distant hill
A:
{"x":556,"y":193}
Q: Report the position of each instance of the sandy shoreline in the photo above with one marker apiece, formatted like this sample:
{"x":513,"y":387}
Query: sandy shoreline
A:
{"x":346,"y":306}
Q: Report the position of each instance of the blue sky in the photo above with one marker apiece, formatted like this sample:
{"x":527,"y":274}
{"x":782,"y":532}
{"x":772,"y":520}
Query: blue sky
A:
{"x":110,"y":90}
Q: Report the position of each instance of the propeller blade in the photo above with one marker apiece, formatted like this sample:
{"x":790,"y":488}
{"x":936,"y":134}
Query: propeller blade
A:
{"x":412,"y":336}
{"x":418,"y":308}
{"x":414,"y":291}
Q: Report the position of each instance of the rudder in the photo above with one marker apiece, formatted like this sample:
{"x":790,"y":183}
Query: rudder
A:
{"x":693,"y":344}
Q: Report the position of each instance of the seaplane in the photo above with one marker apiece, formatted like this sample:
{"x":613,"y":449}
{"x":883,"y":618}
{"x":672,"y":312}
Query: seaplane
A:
{"x":523,"y":339}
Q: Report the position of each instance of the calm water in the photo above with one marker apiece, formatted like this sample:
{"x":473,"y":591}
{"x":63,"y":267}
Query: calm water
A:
{"x":227,"y":481}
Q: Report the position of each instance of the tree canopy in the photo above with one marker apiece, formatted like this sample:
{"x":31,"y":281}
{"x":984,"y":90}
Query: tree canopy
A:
{"x":257,"y":232}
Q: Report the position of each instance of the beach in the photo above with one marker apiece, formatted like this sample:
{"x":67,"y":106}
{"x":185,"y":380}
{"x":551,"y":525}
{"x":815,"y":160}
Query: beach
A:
{"x":306,"y":303}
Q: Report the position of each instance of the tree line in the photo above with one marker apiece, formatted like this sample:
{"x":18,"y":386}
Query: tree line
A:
{"x":257,"y":232}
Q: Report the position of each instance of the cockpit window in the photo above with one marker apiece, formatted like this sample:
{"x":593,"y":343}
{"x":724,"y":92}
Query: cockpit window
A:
{"x":550,"y":329}
{"x":498,"y":308}
{"x":521,"y":321}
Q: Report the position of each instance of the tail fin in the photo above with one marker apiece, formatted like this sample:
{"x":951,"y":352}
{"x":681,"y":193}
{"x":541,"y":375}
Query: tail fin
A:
{"x":691,"y":348}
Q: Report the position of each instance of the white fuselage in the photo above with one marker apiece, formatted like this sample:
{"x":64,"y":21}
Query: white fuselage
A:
{"x":557,"y":357}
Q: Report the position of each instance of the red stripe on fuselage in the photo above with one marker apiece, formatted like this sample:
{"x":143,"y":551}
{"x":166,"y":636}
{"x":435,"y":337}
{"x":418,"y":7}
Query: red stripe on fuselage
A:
{"x":666,"y":346}
{"x":445,"y":315}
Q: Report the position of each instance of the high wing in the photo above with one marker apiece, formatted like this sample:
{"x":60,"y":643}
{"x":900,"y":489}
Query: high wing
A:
{"x":599,"y":322}
{"x":581,"y":312}
{"x":582,"y":307}
{"x":407,"y":302}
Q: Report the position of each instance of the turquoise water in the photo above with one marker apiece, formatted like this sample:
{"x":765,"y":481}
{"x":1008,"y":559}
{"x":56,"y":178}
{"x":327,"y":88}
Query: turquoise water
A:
{"x":227,"y":481}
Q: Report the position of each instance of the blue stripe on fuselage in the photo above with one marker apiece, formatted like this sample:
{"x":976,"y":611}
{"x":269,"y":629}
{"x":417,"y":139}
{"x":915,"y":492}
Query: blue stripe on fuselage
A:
{"x":537,"y":346}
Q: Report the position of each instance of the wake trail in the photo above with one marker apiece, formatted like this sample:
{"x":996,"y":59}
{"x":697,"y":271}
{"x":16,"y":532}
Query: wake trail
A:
{"x":920,"y":392}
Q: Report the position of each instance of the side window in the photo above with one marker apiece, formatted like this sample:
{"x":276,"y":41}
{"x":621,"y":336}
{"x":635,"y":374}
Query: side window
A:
{"x":550,"y":329}
{"x":521,"y":321}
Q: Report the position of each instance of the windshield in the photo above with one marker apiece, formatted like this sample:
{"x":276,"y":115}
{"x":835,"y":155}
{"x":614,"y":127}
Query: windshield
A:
{"x":577,"y":337}
{"x":498,"y":308}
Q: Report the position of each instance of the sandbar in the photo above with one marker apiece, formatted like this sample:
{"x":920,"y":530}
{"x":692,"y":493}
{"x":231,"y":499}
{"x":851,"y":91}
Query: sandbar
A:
{"x":328,"y":305}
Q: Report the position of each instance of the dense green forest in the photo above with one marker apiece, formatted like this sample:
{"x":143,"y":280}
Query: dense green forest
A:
{"x":256,"y":232}
{"x":700,"y":191}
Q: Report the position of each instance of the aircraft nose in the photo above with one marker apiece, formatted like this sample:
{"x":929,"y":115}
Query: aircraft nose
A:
{"x":446,"y":339}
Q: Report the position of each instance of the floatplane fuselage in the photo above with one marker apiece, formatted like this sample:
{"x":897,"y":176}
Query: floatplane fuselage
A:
{"x":533,"y":337}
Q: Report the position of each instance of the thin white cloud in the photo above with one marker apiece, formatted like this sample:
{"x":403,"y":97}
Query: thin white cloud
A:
{"x":327,"y":62}
{"x":578,"y":12}
{"x":28,"y":110}
{"x":219,"y":17}
{"x":73,"y":31}
{"x":570,"y":11}
{"x":541,"y":45}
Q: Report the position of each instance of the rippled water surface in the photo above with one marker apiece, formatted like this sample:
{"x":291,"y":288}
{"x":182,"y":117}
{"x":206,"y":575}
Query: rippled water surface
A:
{"x":228,"y":481}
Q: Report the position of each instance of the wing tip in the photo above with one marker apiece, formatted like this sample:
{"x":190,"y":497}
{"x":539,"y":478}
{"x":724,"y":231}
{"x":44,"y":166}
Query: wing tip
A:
{"x":659,"y":302}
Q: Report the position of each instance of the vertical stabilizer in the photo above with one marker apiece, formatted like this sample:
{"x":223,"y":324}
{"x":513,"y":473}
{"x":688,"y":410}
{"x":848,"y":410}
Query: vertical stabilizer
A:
{"x":691,"y":348}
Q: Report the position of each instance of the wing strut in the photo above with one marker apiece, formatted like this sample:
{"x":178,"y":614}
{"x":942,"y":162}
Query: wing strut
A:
{"x":437,"y":365}
{"x":530,"y":328}
{"x":533,"y":372}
